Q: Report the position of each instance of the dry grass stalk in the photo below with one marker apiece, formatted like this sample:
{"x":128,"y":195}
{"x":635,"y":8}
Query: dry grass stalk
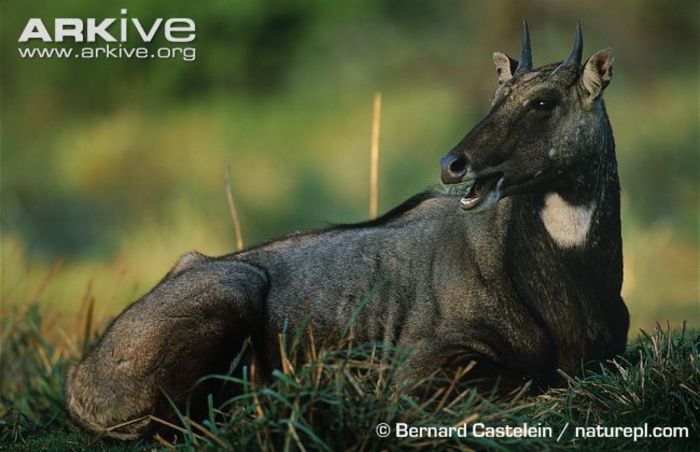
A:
{"x":234,"y":212}
{"x":374,"y":157}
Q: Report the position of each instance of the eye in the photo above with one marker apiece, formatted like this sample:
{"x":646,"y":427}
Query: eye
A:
{"x":544,"y":104}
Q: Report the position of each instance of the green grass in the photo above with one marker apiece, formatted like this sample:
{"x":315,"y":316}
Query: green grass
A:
{"x":333,"y":400}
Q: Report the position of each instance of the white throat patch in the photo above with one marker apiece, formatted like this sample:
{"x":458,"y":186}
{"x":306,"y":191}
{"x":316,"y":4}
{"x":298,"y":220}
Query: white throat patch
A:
{"x":567,"y":224}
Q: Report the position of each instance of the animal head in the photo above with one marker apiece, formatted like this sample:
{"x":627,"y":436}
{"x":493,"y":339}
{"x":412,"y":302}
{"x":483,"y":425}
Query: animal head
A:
{"x":544,"y":124}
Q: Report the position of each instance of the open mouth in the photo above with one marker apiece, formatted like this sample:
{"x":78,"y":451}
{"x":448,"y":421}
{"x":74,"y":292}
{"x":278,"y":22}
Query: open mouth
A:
{"x":483,"y":191}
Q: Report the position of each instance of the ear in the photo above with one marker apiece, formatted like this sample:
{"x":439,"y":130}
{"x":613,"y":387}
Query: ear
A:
{"x":505,"y":66}
{"x":597,"y":73}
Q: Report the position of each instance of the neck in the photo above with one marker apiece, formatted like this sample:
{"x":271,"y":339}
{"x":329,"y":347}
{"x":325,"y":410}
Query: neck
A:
{"x":583,"y":208}
{"x":567,"y":261}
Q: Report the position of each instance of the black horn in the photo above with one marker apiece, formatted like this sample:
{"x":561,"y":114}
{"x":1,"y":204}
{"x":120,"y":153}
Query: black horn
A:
{"x":574,"y":58}
{"x":525,"y":59}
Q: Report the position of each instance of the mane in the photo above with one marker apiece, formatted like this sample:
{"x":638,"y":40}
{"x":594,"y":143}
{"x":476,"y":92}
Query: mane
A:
{"x":406,"y":206}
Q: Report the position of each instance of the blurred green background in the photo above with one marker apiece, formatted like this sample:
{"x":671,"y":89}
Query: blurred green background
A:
{"x":113,"y":168}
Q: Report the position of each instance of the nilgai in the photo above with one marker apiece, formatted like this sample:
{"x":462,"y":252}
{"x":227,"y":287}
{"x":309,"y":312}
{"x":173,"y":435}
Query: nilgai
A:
{"x":517,"y":267}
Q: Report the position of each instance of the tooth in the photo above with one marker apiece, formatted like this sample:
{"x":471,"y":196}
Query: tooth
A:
{"x":467,"y":203}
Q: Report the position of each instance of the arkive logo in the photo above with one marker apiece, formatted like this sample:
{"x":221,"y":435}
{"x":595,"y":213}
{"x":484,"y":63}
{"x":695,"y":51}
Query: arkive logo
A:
{"x":90,"y":30}
{"x":100,"y":35}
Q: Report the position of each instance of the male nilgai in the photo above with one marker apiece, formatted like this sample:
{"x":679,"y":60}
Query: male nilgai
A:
{"x":521,"y":271}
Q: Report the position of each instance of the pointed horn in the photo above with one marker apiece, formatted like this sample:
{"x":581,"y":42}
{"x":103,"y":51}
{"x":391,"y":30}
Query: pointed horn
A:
{"x":574,"y":58}
{"x":525,"y":59}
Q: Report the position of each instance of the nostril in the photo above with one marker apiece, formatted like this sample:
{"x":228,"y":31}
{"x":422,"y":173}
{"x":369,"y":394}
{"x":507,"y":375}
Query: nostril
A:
{"x":459,"y":165}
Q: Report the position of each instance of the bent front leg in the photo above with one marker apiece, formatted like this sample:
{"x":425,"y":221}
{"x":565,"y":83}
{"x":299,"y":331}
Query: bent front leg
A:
{"x":191,"y":324}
